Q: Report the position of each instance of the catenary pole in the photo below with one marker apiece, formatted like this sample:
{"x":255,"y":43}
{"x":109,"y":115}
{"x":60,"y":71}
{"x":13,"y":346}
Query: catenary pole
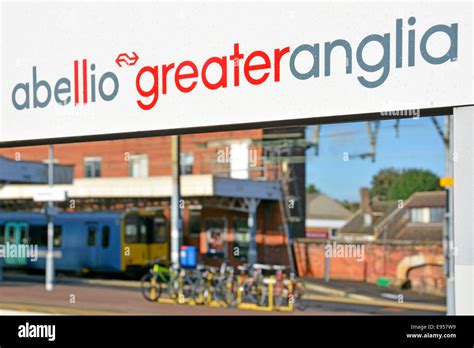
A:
{"x":176,"y":235}
{"x":49,"y":212}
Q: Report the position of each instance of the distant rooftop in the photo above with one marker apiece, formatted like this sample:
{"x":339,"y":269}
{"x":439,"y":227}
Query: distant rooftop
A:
{"x":431,"y":199}
{"x":320,"y":206}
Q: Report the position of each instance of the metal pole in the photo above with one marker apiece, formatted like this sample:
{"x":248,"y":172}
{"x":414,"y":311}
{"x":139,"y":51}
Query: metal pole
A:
{"x":49,"y":254}
{"x":252,"y":224}
{"x":327,"y":261}
{"x":450,"y":292}
{"x":463,"y":167}
{"x":176,"y":230}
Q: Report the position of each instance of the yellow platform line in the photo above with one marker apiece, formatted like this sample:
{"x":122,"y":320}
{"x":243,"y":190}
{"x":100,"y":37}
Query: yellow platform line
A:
{"x":377,"y":302}
{"x":113,"y":283}
{"x":43,"y":309}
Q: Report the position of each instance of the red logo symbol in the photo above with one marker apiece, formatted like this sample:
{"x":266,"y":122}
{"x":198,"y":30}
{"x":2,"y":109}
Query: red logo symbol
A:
{"x":125,"y":58}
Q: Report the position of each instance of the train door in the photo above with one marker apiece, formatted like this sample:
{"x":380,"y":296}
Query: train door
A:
{"x":145,"y":231}
{"x":92,"y":245}
{"x":137,"y":251}
{"x":16,"y":234}
{"x":103,"y":249}
{"x":158,"y":237}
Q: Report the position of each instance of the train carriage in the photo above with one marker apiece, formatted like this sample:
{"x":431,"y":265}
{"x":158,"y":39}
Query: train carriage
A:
{"x":88,"y":241}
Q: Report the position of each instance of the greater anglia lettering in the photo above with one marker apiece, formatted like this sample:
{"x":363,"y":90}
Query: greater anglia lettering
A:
{"x":258,"y":65}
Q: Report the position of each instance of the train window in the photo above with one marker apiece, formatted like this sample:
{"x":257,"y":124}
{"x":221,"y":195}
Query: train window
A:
{"x":160,"y":230}
{"x":11,"y":234}
{"x":91,"y":232}
{"x":143,"y":232}
{"x":131,"y":229}
{"x":57,"y":238}
{"x":24,"y":235}
{"x":2,"y":236}
{"x":105,"y":236}
{"x":38,"y":235}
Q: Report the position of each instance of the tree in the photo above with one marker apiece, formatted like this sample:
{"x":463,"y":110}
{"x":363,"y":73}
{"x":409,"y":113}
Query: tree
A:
{"x":352,"y":206}
{"x":382,"y":182}
{"x":411,"y":181}
{"x":312,"y":189}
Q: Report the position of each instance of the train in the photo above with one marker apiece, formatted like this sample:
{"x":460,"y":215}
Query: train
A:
{"x":102,"y":242}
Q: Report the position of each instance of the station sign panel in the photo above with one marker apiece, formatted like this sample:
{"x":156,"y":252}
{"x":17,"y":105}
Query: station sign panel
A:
{"x":72,"y":70}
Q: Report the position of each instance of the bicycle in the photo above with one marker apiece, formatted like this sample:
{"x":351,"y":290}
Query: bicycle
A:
{"x":224,"y":285}
{"x":204,"y":290}
{"x":288,"y":289}
{"x":250,"y":284}
{"x":298,"y":292}
{"x":152,"y":282}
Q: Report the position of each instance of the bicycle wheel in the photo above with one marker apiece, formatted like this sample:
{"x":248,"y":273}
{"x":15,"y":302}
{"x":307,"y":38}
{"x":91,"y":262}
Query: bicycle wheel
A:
{"x":230,"y":293}
{"x":199,"y":291}
{"x":279,"y":298}
{"x":262,"y":295}
{"x":298,"y":296}
{"x":151,"y":289}
{"x":247,"y":293}
{"x":173,"y":288}
{"x":188,"y":287}
{"x":218,"y":292}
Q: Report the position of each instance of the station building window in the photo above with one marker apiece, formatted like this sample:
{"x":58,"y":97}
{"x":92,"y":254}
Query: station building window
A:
{"x":216,"y":237}
{"x":92,"y":167}
{"x":195,"y":215}
{"x":138,"y":166}
{"x":241,"y":238}
{"x":186,"y":162}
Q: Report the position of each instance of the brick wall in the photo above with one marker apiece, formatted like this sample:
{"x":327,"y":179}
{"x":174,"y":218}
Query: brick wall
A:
{"x":113,"y":152}
{"x":415,"y":264}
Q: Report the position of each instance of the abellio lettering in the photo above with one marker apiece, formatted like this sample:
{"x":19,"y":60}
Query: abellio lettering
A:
{"x":64,"y":90}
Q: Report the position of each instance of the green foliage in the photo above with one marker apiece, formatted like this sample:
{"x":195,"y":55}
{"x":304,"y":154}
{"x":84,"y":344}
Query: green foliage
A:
{"x":382,"y":182}
{"x":312,"y":189}
{"x":352,"y":206}
{"x":411,"y":181}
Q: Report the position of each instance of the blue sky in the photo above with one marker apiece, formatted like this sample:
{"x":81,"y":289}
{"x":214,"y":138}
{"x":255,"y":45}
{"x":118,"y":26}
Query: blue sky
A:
{"x":417,"y":146}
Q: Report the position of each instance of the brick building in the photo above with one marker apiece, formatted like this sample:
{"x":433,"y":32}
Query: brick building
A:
{"x":401,"y":243}
{"x":324,"y":216}
{"x":131,"y":173}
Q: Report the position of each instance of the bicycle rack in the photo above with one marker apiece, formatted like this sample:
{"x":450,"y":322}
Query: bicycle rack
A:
{"x":270,"y":306}
{"x":270,"y":282}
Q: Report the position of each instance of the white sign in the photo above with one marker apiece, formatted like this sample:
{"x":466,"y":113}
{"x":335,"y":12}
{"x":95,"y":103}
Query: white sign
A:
{"x":71,"y":69}
{"x":57,"y":254}
{"x":50,"y":195}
